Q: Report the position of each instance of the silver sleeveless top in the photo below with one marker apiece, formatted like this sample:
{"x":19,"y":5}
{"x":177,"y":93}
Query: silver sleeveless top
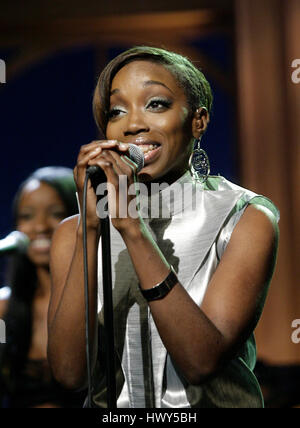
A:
{"x":192,"y":236}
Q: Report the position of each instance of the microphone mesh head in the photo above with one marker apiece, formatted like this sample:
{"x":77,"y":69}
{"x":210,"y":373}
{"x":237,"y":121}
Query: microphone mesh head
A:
{"x":15,"y":241}
{"x":22,"y":240}
{"x":136,"y":154}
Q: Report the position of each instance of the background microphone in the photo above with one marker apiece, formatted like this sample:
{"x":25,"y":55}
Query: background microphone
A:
{"x":15,"y":241}
{"x":97,"y":175}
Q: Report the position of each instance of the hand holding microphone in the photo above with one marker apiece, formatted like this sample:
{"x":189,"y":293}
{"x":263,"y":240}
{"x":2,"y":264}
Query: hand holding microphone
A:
{"x":105,"y":161}
{"x":106,"y":166}
{"x":97,"y":175}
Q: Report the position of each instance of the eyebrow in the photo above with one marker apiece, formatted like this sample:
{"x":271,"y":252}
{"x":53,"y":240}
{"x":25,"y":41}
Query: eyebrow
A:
{"x":156,"y":82}
{"x":145,"y":84}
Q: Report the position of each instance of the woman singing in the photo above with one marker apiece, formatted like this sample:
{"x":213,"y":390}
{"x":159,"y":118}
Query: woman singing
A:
{"x":188,"y":288}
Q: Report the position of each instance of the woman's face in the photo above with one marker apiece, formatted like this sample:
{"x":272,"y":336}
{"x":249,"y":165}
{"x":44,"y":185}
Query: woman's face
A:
{"x":149,"y":108}
{"x":40,"y":210}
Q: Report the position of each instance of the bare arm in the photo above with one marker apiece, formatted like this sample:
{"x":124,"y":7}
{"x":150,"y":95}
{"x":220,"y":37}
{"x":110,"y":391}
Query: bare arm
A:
{"x":200,"y":340}
{"x":5,"y":293}
{"x":66,"y":316}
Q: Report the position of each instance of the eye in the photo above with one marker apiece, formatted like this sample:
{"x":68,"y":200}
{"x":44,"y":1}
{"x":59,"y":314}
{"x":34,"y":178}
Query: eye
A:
{"x":115,"y":112}
{"x":25,"y":216}
{"x":159,"y":104}
{"x":58,"y":214}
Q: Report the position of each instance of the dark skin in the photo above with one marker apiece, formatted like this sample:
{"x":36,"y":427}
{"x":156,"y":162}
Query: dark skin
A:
{"x":147,"y":106}
{"x":40,"y":211}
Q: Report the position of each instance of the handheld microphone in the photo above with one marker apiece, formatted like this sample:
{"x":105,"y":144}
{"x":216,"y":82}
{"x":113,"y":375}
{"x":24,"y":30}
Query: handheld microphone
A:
{"x":15,"y":241}
{"x":97,"y":175}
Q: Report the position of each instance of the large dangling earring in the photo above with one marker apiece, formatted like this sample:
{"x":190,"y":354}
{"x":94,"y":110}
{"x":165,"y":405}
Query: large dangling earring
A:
{"x":199,"y":163}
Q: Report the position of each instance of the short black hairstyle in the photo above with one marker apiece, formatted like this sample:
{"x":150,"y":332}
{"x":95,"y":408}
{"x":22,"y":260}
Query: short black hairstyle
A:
{"x":189,"y":77}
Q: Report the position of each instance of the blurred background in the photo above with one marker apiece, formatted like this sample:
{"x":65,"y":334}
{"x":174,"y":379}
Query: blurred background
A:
{"x":54,"y":52}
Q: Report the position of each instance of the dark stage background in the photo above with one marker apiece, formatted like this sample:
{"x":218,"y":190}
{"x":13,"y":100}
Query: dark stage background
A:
{"x":54,"y":52}
{"x":46,"y":115}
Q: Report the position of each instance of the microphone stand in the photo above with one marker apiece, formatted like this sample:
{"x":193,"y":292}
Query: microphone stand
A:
{"x":107,"y":300}
{"x":108,"y":314}
{"x":97,"y":176}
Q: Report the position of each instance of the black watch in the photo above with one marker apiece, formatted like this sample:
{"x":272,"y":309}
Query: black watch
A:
{"x":162,"y":289}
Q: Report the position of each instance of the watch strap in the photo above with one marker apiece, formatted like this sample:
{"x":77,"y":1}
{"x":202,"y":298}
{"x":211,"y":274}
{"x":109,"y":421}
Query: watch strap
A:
{"x":162,"y":289}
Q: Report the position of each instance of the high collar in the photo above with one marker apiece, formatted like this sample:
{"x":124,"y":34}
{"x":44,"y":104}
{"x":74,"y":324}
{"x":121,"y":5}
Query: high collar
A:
{"x":163,"y":200}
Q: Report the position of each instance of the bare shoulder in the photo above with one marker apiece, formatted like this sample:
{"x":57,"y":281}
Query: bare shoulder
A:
{"x":62,"y":246}
{"x":243,"y":275}
{"x":258,"y":225}
{"x":254,"y":240}
{"x":65,"y":235}
{"x":61,"y":254}
{"x":263,"y":215}
{"x":5,"y":293}
{"x":66,"y":228}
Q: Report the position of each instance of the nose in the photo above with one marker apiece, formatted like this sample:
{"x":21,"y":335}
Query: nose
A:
{"x":42,"y":223}
{"x":135,"y":123}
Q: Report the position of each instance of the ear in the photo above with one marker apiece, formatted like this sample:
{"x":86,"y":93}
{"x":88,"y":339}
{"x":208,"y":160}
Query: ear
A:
{"x":200,"y":122}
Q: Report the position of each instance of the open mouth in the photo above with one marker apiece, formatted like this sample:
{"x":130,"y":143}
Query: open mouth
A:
{"x":151,"y":150}
{"x":146,"y":148}
{"x":151,"y":153}
{"x":42,"y":244}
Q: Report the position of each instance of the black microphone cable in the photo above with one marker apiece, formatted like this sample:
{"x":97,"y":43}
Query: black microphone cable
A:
{"x":86,"y":293}
{"x":91,"y":173}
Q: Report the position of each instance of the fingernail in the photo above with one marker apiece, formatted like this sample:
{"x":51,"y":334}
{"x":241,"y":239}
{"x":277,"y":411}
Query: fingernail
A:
{"x":123,"y":146}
